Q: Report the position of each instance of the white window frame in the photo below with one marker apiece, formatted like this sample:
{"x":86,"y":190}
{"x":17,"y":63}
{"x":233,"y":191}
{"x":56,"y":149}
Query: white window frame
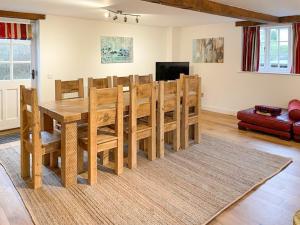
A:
{"x":267,"y":68}
{"x":11,"y":61}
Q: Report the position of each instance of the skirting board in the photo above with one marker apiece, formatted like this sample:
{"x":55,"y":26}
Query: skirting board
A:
{"x":219,"y":110}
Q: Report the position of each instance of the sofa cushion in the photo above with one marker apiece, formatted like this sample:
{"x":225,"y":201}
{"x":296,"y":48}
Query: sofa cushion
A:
{"x":282,"y":134}
{"x":281,"y":122}
{"x":294,"y":110}
{"x":274,"y":111}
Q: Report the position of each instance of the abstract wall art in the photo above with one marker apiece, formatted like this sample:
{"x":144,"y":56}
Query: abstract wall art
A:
{"x":209,"y":50}
{"x":116,"y":50}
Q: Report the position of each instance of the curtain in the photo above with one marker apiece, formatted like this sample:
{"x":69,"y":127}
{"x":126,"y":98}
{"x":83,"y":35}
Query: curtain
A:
{"x":251,"y":47}
{"x":296,"y":48}
{"x":15,"y":31}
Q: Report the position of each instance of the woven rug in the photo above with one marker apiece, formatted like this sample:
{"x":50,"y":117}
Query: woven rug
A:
{"x":188,"y":187}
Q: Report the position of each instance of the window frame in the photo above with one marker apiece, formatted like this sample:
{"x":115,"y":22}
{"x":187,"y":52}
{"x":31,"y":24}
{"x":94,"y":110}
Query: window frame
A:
{"x":11,"y":43}
{"x":267,"y":68}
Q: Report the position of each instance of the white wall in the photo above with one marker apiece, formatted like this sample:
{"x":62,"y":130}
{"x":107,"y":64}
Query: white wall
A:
{"x":70,"y":49}
{"x":225,"y":88}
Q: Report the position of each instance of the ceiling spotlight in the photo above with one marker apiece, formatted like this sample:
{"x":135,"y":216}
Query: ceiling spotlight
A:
{"x":107,"y":14}
{"x":137,"y":19}
{"x":115,"y":17}
{"x":125,"y":19}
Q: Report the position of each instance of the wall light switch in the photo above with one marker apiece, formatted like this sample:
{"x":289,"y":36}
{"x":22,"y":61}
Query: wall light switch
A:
{"x":50,"y":76}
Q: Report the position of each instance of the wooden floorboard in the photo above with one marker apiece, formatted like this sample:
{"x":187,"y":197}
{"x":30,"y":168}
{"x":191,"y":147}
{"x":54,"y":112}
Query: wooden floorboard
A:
{"x":273,"y":203}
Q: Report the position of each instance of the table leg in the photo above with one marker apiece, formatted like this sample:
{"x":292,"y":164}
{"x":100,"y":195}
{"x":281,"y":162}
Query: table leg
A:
{"x":69,"y":154}
{"x":46,"y":125}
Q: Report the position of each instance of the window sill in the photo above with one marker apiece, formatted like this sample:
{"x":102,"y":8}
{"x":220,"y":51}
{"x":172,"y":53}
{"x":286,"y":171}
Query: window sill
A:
{"x":272,"y":73}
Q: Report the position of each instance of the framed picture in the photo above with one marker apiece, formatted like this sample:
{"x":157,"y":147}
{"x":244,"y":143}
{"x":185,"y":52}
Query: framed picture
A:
{"x":210,"y":50}
{"x":116,"y":50}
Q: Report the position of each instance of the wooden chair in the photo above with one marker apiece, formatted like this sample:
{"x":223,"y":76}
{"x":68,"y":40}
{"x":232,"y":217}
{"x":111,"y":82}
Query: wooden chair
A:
{"x":100,"y":83}
{"x":33,"y":141}
{"x":168,"y":102}
{"x":105,"y":108}
{"x":191,"y":99}
{"x":142,"y":105}
{"x":68,"y":87}
{"x":143,"y":79}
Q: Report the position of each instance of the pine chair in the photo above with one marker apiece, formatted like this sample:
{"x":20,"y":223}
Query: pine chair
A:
{"x":144,"y":79}
{"x":33,"y":141}
{"x":68,"y":87}
{"x":124,"y":81}
{"x":168,"y":114}
{"x":142,"y":105}
{"x":100,"y":83}
{"x":105,"y":109}
{"x":191,"y":99}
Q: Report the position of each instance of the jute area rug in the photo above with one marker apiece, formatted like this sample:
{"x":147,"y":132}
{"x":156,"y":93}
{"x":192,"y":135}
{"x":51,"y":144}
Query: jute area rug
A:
{"x":191,"y":186}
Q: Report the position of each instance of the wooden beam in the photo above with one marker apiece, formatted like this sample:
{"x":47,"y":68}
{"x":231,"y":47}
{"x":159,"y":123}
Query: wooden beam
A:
{"x":22,"y":15}
{"x":284,"y":19}
{"x":219,"y":9}
{"x":247,"y":24}
{"x":289,"y":19}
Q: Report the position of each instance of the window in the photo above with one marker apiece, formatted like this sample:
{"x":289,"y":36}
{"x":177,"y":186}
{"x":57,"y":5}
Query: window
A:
{"x":275,"y":49}
{"x":15,"y":59}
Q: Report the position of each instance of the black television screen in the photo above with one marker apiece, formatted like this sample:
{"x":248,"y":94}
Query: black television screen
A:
{"x":171,"y":70}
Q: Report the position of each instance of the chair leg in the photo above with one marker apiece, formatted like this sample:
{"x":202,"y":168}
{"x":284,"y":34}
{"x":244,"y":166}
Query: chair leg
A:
{"x":132,"y":151}
{"x":160,"y":141}
{"x":119,"y":159}
{"x":80,"y":154}
{"x":105,"y":157}
{"x":152,"y":147}
{"x":37,"y":169}
{"x":176,"y":139}
{"x":25,"y":163}
{"x":197,"y":133}
{"x":46,"y":159}
{"x":54,"y":160}
{"x":92,"y":167}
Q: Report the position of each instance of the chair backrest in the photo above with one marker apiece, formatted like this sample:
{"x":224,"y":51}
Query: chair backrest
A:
{"x":142,"y":100}
{"x":192,"y":92}
{"x":144,"y":79}
{"x":29,"y":116}
{"x":105,"y":108}
{"x":68,"y":87}
{"x":100,"y":83}
{"x":182,"y":76}
{"x":169,"y":95}
{"x":124,"y":81}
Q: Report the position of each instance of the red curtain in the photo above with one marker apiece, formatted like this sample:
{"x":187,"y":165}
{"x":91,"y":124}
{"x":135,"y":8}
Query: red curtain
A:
{"x":251,"y":47}
{"x":296,"y":48}
{"x":15,"y":31}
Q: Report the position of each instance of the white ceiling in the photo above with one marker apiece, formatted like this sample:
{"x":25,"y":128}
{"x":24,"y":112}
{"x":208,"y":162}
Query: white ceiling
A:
{"x":152,"y":14}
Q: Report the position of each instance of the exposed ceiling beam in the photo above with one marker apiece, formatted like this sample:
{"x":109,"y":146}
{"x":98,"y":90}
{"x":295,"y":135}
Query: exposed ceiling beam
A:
{"x":219,"y":9}
{"x":22,"y":15}
{"x":283,"y":19}
{"x":247,"y":24}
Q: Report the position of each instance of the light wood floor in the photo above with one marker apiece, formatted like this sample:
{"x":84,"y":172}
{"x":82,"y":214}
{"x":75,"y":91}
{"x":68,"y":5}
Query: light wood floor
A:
{"x":273,"y":203}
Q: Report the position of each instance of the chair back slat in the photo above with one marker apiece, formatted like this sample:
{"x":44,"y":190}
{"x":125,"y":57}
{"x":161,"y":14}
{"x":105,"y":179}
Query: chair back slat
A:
{"x":144,"y":90}
{"x":68,"y":87}
{"x":143,"y":110}
{"x":106,"y":96}
{"x":144,"y":79}
{"x":124,"y":81}
{"x":100,"y":83}
{"x":106,"y":117}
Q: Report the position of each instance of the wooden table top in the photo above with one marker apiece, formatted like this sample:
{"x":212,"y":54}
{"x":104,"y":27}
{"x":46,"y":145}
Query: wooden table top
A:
{"x":70,"y":110}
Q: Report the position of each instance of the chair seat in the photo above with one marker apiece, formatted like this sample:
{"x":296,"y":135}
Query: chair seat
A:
{"x":104,"y":134}
{"x":50,"y":141}
{"x":142,"y":125}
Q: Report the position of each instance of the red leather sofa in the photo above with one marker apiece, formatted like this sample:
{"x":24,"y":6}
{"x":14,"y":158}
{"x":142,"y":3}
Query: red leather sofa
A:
{"x":285,"y":124}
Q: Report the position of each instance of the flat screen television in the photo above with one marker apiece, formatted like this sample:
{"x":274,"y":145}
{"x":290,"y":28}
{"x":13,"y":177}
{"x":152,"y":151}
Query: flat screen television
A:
{"x":171,"y":70}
